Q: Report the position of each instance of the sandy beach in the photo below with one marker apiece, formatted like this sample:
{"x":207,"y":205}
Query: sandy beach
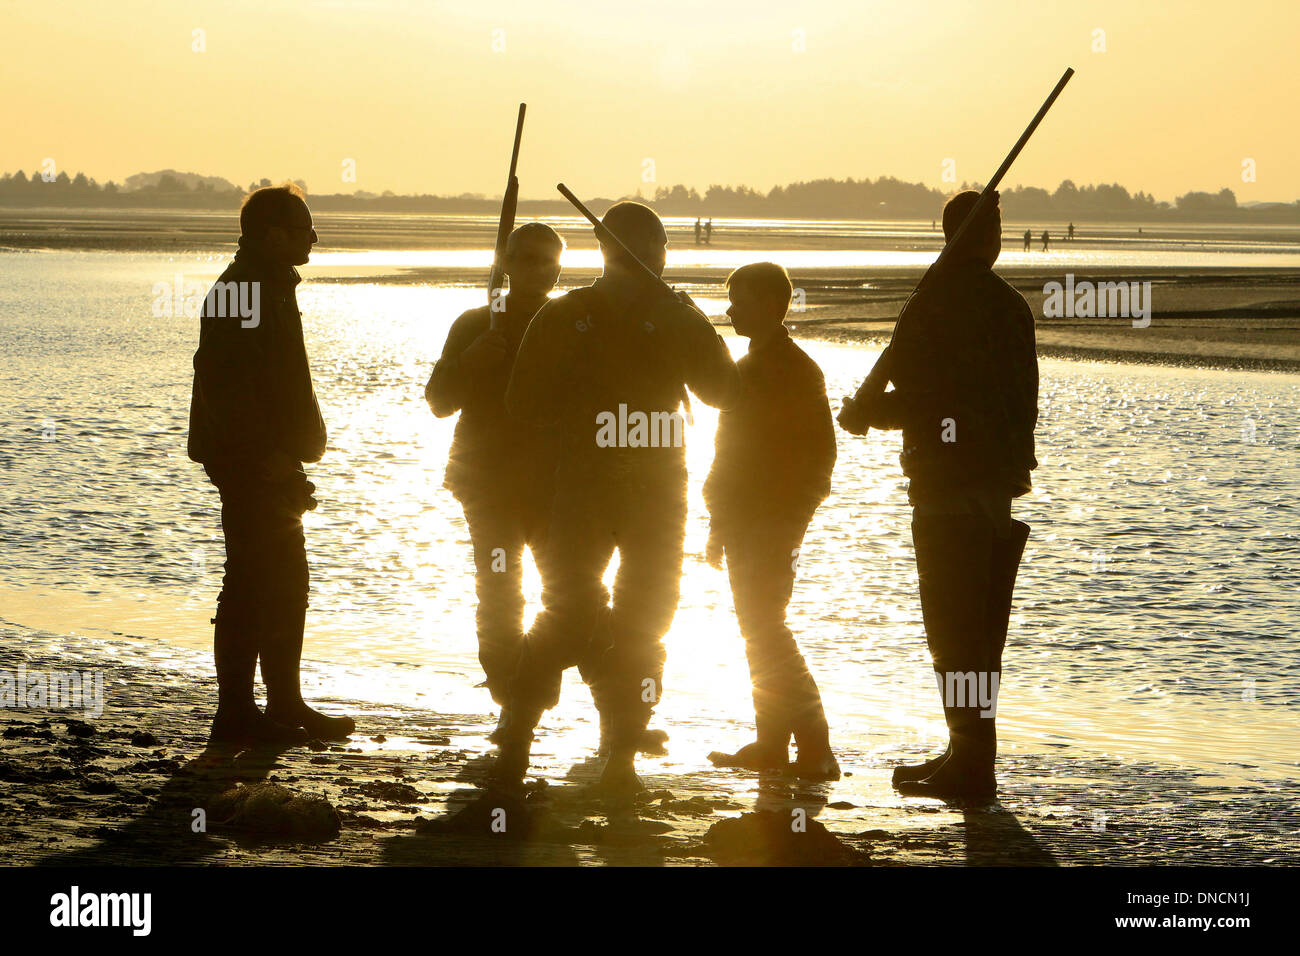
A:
{"x":408,"y":789}
{"x":123,"y":787}
{"x":1213,"y":317}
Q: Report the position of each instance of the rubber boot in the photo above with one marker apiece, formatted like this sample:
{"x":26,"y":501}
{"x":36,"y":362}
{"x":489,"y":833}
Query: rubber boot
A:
{"x":816,"y":760}
{"x":908,"y":773}
{"x":771,"y":748}
{"x":238,"y":721}
{"x":281,"y":655}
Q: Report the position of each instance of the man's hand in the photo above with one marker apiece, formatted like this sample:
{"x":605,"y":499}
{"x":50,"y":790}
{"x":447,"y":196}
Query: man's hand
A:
{"x":278,"y":467}
{"x":852,"y":417}
{"x":488,"y":351}
{"x":713,"y":549}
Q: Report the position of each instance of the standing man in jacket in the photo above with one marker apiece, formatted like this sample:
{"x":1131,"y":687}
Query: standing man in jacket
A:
{"x":500,"y":469}
{"x":965,"y":373}
{"x":254,"y":421}
{"x":608,"y":365}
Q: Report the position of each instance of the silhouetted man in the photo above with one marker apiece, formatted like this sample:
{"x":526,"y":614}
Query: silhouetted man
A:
{"x":698,"y":229}
{"x":965,"y":374}
{"x":608,"y":366}
{"x":775,"y":451}
{"x":1046,"y":238}
{"x":500,"y":469}
{"x":1029,"y":239}
{"x":254,"y":420}
{"x":708,"y":233}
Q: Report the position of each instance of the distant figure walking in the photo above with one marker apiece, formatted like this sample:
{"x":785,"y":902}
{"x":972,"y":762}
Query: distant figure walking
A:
{"x":1029,"y":239}
{"x":254,"y":420}
{"x":1045,"y":240}
{"x":699,"y":228}
{"x":965,"y":376}
{"x":608,"y":366}
{"x":1070,"y":233}
{"x":708,"y":233}
{"x":772,"y":468}
{"x":499,"y":469}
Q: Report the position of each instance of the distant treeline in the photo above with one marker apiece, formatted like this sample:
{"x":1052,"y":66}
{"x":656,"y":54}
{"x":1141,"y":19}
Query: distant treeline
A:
{"x":884,"y":198}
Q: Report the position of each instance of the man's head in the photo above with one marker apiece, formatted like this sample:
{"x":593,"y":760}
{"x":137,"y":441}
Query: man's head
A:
{"x":278,"y":219}
{"x":760,"y":295}
{"x":533,"y":259}
{"x":983,"y":240}
{"x":641,"y":231}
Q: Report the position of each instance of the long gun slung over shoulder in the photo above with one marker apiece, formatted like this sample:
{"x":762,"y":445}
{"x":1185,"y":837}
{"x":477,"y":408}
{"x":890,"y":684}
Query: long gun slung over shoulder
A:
{"x":878,"y":379}
{"x":506,"y":224}
{"x":605,"y":235}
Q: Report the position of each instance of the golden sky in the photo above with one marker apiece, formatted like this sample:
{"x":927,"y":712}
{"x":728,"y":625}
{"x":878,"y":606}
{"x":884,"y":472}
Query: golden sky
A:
{"x":422,"y":95}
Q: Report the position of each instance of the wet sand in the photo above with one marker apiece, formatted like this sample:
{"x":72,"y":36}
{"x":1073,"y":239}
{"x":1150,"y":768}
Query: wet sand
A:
{"x":1228,"y":318}
{"x":1222,"y":319}
{"x":408,"y":789}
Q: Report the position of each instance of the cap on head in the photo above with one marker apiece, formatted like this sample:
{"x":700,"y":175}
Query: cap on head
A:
{"x":637,"y":225}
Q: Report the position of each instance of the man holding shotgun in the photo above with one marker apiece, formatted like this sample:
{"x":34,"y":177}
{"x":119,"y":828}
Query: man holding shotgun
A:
{"x":622,"y":350}
{"x":499,"y":469}
{"x":965,"y":371}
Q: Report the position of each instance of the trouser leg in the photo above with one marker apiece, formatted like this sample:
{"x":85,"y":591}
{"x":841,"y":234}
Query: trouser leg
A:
{"x":627,"y":677}
{"x":761,"y":565}
{"x":287,"y":582}
{"x":577,"y":549}
{"x":264,"y":593}
{"x":953,"y":559}
{"x":497,"y":535}
{"x":1007,"y":553}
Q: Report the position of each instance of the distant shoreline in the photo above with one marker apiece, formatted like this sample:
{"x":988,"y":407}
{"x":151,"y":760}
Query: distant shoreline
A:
{"x":1228,"y":317}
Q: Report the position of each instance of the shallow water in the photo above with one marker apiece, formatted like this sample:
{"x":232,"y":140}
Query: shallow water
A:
{"x":1155,"y":614}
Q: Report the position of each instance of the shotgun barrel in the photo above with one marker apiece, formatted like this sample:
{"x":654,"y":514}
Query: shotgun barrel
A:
{"x":506,"y":224}
{"x":607,"y":237}
{"x":878,"y":378}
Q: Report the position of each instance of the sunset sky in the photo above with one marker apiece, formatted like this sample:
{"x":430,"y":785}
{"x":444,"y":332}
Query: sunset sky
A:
{"x":422,"y":95}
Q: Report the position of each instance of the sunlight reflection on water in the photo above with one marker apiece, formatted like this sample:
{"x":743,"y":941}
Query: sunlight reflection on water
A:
{"x":1160,"y":577}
